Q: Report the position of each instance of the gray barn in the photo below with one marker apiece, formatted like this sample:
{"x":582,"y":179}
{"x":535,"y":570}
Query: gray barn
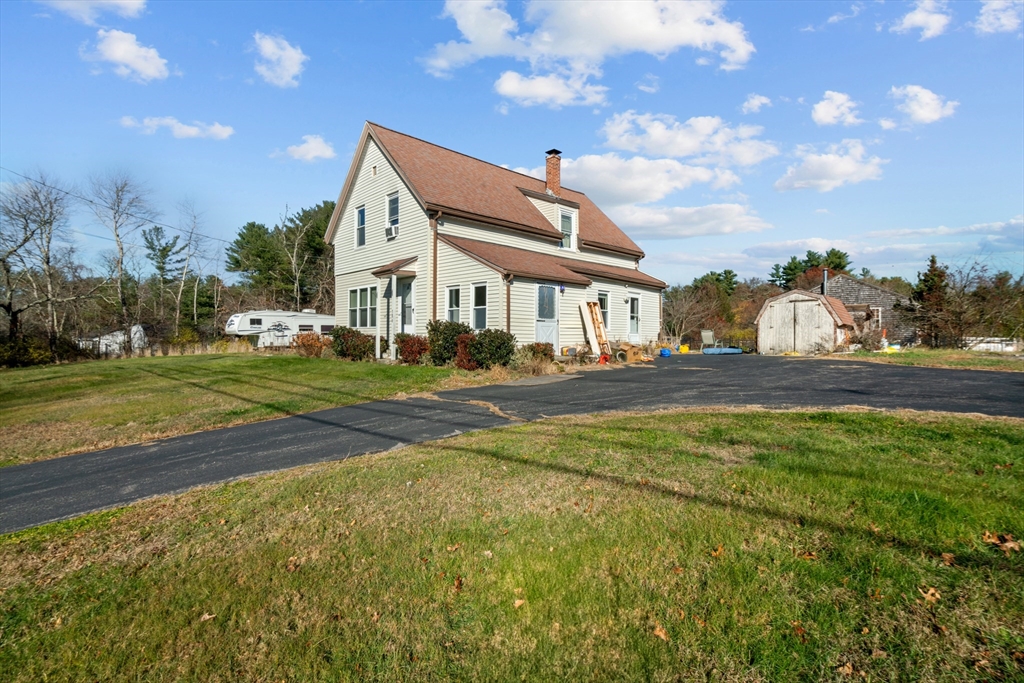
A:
{"x":802,"y":322}
{"x":872,"y":307}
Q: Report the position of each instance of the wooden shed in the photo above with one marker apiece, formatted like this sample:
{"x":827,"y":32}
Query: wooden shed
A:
{"x":802,"y":322}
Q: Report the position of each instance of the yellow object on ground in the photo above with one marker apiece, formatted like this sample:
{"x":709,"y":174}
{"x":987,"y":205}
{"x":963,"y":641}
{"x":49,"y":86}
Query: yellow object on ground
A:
{"x":684,"y":348}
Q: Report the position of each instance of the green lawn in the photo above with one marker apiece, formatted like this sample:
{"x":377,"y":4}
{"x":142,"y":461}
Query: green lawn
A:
{"x":943,"y":358}
{"x":673,"y":546}
{"x":56,"y":410}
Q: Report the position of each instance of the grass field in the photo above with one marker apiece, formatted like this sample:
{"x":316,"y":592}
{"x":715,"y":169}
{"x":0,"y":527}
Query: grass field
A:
{"x":56,"y":410}
{"x":674,"y":546}
{"x":943,"y":358}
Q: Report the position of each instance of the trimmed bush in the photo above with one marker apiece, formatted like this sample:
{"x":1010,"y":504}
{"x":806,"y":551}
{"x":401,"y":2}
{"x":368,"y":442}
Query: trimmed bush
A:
{"x":310,"y":344}
{"x":411,"y":347}
{"x":351,"y":344}
{"x":492,"y":347}
{"x":442,"y":336}
{"x":463,"y":358}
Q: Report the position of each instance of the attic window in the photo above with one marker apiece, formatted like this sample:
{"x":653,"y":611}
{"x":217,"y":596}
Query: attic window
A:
{"x":373,"y":171}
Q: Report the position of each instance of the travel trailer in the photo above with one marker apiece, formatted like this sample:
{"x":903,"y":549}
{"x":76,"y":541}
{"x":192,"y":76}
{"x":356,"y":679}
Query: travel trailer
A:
{"x":277,"y":328}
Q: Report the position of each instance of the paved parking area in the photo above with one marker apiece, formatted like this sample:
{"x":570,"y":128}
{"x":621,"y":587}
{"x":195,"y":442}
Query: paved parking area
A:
{"x":50,"y":490}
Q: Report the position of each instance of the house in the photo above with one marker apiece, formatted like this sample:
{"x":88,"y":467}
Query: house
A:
{"x":113,"y":343}
{"x":802,"y":322}
{"x":421,"y":232}
{"x":872,"y":307}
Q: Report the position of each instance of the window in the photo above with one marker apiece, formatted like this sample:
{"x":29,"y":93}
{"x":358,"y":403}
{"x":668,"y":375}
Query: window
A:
{"x":876,"y":318}
{"x":602,"y":301}
{"x":634,"y":315}
{"x":479,"y":307}
{"x":324,"y":329}
{"x":255,"y":322}
{"x":391,"y":229}
{"x":361,"y":226}
{"x":305,"y":328}
{"x":362,"y":307}
{"x":566,"y":231}
{"x":453,"y":304}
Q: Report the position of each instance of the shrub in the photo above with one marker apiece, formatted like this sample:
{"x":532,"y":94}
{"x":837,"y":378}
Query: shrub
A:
{"x":463,"y":358}
{"x":492,"y":347}
{"x":541,"y":350}
{"x":524,"y":360}
{"x":310,"y":344}
{"x":411,"y":347}
{"x":869,"y":340}
{"x":20,"y":353}
{"x":185,"y":341}
{"x":442,"y":337}
{"x":351,"y":344}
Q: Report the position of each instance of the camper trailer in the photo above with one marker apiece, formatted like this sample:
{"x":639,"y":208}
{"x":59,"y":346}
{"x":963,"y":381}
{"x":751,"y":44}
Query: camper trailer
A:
{"x":277,"y":328}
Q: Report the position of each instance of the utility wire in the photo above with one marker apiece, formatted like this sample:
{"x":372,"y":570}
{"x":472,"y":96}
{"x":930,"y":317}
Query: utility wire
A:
{"x":95,"y":203}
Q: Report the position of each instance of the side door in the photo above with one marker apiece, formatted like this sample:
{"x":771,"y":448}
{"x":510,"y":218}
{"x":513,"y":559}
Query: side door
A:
{"x":406,"y":293}
{"x":634,"y":320}
{"x":547,"y":315}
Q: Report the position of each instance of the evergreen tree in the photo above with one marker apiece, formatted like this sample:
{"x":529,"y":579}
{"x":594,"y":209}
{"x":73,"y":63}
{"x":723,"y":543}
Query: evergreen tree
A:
{"x":260,"y":259}
{"x":776,"y":277}
{"x":836,"y":260}
{"x":792,"y":270}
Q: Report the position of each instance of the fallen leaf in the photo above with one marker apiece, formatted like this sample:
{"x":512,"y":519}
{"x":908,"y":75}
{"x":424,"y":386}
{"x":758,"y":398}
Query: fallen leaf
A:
{"x":682,"y":614}
{"x":207,"y":616}
{"x":865,"y":630}
{"x":488,"y":554}
{"x":458,"y":583}
{"x":718,"y":553}
{"x":223,"y":521}
{"x":424,"y":560}
{"x":990,"y":538}
{"x":1009,"y":544}
{"x":376,"y":617}
{"x":799,"y":630}
{"x":845,"y":669}
{"x":519,"y":603}
{"x":700,"y":622}
{"x":948,"y":559}
{"x":931,"y":596}
{"x":875,"y":594}
{"x":677,"y":570}
{"x":808,"y":556}
{"x":293,"y":563}
{"x":660,"y":632}
{"x":879,"y":654}
{"x":453,"y":548}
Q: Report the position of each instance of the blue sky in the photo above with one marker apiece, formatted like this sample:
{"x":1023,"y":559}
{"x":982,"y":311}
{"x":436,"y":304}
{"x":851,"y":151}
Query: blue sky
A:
{"x":717,"y":134}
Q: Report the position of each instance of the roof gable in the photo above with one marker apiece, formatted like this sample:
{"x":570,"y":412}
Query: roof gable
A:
{"x":462,"y":186}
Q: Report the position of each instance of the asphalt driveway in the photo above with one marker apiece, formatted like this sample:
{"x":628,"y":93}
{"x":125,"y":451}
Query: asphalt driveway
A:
{"x":51,"y":490}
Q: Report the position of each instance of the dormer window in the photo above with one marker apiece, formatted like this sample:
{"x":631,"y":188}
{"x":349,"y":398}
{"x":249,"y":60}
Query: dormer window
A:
{"x":391,"y":229}
{"x":567,"y":231}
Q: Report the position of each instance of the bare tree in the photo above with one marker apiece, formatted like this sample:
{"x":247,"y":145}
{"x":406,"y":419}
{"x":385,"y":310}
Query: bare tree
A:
{"x":37,"y":269}
{"x":690,"y":308}
{"x":122,"y":205}
{"x":293,"y":234}
{"x":190,"y":256}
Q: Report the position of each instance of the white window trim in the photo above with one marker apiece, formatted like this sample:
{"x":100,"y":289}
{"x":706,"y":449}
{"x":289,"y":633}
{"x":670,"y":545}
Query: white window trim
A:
{"x":573,"y":237}
{"x":877,"y":312}
{"x":473,"y":307}
{"x":387,"y":216}
{"x":355,"y":233}
{"x":448,"y":302}
{"x":639,"y":314}
{"x":369,"y":307}
{"x":607,"y":311}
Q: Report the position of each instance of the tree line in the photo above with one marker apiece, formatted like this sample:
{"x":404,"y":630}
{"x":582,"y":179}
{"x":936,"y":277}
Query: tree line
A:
{"x":947,"y":304}
{"x":170,"y":279}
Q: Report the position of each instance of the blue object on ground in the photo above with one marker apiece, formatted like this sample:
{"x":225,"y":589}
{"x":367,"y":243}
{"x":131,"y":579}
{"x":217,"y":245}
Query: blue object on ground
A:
{"x":665,"y":353}
{"x":719,"y":351}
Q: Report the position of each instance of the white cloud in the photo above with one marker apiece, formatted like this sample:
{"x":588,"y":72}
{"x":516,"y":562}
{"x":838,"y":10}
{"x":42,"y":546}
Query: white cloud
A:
{"x":843,"y":164}
{"x":197,"y":129}
{"x":930,"y":16}
{"x":571,"y":40}
{"x":656,"y":222}
{"x":649,"y":84}
{"x":921,"y":104}
{"x":87,"y":11}
{"x":553,"y":90}
{"x":706,"y":138}
{"x":130,"y":59}
{"x":886,"y":124}
{"x":314,"y":147}
{"x":999,"y":16}
{"x":784,"y":249}
{"x":855,"y":9}
{"x":280,"y":63}
{"x":1013,"y":226}
{"x":755,"y":102}
{"x":837,"y":107}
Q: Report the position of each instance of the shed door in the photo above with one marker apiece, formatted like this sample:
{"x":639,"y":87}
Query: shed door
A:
{"x":807,"y":331}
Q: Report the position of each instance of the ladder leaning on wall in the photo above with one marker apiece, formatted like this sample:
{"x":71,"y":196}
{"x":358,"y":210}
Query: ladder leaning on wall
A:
{"x":594,"y":326}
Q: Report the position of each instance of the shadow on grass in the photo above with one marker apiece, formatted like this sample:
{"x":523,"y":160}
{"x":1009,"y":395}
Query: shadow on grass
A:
{"x":972,"y":560}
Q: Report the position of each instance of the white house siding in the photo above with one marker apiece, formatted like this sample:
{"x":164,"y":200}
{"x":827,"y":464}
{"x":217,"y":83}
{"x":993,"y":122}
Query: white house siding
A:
{"x":511,"y":238}
{"x":456,"y":269}
{"x":413,"y":238}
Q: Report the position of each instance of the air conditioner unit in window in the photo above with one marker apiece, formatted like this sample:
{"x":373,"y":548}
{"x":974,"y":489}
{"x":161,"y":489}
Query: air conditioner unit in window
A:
{"x":391,"y":231}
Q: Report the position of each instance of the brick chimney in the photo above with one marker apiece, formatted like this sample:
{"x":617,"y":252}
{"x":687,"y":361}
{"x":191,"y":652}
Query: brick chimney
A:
{"x":553,"y":181}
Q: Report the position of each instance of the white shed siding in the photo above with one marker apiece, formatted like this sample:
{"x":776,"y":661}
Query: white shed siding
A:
{"x":510,"y":238}
{"x":456,"y":269}
{"x":797,"y":323}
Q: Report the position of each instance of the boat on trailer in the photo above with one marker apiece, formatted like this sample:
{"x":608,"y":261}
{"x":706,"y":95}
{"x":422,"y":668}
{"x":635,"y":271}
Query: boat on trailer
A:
{"x":277,"y":328}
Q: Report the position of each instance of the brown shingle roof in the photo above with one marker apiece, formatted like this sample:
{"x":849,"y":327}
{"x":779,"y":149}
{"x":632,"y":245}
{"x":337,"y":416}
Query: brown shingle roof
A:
{"x":393,"y":267}
{"x":840,"y":308}
{"x":445,"y":179}
{"x":524,"y":263}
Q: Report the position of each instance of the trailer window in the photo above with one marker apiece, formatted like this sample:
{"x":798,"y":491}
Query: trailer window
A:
{"x":305,"y":328}
{"x":255,"y":322}
{"x":324,"y":329}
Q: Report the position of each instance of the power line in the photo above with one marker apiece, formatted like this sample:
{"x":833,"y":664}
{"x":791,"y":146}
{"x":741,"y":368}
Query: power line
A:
{"x":105,"y":206}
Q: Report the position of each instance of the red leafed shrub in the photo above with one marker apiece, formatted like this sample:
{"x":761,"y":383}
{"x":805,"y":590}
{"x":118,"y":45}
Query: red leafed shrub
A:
{"x":463,"y":359}
{"x":543,"y":350}
{"x":310,"y":344}
{"x":411,"y":347}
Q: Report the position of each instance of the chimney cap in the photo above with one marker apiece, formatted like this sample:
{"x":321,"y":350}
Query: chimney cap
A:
{"x":553,"y":152}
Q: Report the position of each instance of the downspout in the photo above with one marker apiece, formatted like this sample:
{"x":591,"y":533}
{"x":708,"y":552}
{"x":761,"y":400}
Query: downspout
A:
{"x":433,"y":266}
{"x":376,"y":337}
{"x":508,"y":302}
{"x":392,"y":351}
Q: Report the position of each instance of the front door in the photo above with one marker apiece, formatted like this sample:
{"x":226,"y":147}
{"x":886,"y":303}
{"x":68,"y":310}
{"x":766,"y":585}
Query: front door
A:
{"x":547,"y":315}
{"x":405,"y":296}
{"x":634,"y":320}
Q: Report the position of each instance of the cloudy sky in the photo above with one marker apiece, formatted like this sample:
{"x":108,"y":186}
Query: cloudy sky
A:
{"x":717,"y":134}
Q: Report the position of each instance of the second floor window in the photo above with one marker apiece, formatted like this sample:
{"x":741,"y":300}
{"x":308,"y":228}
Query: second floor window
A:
{"x":566,"y":228}
{"x":391,"y":229}
{"x":360,"y":226}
